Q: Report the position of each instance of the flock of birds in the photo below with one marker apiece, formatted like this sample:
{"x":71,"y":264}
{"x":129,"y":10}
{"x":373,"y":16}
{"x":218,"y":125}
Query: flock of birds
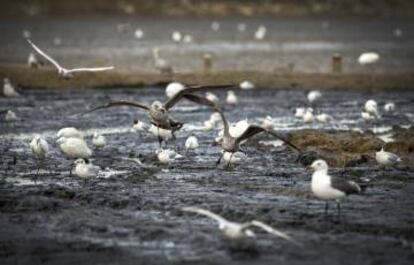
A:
{"x":73,"y":146}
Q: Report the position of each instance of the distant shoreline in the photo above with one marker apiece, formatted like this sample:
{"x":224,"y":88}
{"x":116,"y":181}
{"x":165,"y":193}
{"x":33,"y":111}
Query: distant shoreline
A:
{"x":47,"y":78}
{"x":209,"y":8}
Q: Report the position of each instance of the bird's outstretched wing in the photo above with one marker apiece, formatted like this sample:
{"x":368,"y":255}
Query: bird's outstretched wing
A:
{"x":207,"y":213}
{"x":42,"y":53}
{"x":189,"y":90}
{"x":120,"y":103}
{"x":96,"y":69}
{"x":251,"y":131}
{"x":283,"y":139}
{"x":271,"y":230}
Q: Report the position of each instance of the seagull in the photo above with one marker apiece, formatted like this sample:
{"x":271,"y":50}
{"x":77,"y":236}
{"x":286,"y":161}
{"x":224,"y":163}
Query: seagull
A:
{"x":323,"y":118}
{"x":166,"y":156}
{"x":371,"y":107}
{"x":138,"y":126}
{"x":10,"y":116}
{"x":326,"y":187}
{"x":173,"y":88}
{"x":63,"y":72}
{"x":236,"y":231}
{"x":389,"y":107}
{"x":8,"y":89}
{"x":299,"y":112}
{"x":32,"y":61}
{"x":231,"y":143}
{"x":212,"y":97}
{"x":260,"y":33}
{"x":385,"y":158}
{"x":208,"y":125}
{"x":161,"y":64}
{"x":160,"y":133}
{"x":314,"y":96}
{"x":246,"y":85}
{"x":308,"y":116}
{"x":233,"y":158}
{"x":231,"y":98}
{"x":69,"y":132}
{"x":98,"y":140}
{"x":40,"y":148}
{"x":191,"y":143}
{"x":74,"y":148}
{"x":176,"y":36}
{"x":85,"y":170}
{"x":139,"y":34}
{"x":159,"y":112}
{"x":368,"y":58}
{"x":366,"y":116}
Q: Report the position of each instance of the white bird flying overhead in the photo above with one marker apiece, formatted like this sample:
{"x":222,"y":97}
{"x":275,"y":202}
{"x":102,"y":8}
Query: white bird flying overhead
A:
{"x":8,"y":89}
{"x":40,"y":148}
{"x":368,"y":58}
{"x":326,"y":187}
{"x":63,"y":72}
{"x":98,"y":140}
{"x":85,"y":170}
{"x":385,"y":158}
{"x":236,"y":231}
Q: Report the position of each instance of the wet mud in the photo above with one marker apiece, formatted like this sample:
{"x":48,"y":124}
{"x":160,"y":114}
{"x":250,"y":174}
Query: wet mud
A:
{"x":132,"y":216}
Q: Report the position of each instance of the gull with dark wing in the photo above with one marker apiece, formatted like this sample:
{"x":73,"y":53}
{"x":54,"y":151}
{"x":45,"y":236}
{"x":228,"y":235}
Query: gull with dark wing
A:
{"x":159,"y":112}
{"x":235,"y":231}
{"x":63,"y":72}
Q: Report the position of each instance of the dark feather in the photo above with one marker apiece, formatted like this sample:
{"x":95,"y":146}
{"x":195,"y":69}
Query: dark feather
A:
{"x":120,"y":103}
{"x":348,"y":187}
{"x":283,"y":139}
{"x":251,"y":131}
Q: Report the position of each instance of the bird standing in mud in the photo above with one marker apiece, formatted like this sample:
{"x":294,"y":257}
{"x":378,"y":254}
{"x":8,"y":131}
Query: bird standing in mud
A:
{"x":40,"y":148}
{"x":63,"y":72}
{"x":326,"y":187}
{"x":159,"y":112}
{"x":74,"y":148}
{"x":385,"y":158}
{"x":85,"y":170}
{"x":237,"y":231}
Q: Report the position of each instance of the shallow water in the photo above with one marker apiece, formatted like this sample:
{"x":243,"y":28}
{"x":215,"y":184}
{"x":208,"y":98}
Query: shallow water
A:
{"x":133,"y":215}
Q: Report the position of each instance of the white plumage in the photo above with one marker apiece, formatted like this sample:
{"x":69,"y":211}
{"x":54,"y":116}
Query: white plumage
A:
{"x":10,"y":116}
{"x":234,"y":158}
{"x":74,"y":148}
{"x":86,"y":170}
{"x":98,"y":140}
{"x":32,"y":61}
{"x":389,"y":107}
{"x":70,"y":132}
{"x":267,"y":123}
{"x":231,"y":98}
{"x":138,"y":126}
{"x":368,"y":58}
{"x":164,"y":134}
{"x":260,"y":33}
{"x":8,"y":89}
{"x":238,"y":128}
{"x":323,"y":118}
{"x":308,"y":116}
{"x":191,"y":143}
{"x":212,"y":97}
{"x":246,"y":85}
{"x":166,"y":156}
{"x":386,"y":158}
{"x":314,"y":96}
{"x":139,"y":34}
{"x":371,"y":107}
{"x":176,"y":36}
{"x":173,"y":88}
{"x":39,"y":147}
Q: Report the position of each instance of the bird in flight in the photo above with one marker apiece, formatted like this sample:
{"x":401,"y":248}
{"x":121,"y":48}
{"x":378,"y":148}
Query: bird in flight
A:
{"x":64,"y":72}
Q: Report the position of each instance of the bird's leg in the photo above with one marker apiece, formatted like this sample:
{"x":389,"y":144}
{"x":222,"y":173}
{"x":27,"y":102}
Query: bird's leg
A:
{"x":159,"y":137}
{"x":338,"y":206}
{"x":174,"y":140}
{"x":228,"y":163}
{"x":326,"y":209}
{"x":219,"y":160}
{"x":70,"y":171}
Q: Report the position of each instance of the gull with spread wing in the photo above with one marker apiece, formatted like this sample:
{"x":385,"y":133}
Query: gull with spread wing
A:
{"x":235,"y":231}
{"x":63,"y":72}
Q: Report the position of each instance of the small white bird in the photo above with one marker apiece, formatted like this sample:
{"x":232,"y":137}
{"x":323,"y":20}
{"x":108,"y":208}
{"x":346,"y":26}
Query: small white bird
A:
{"x":208,"y":125}
{"x":231,"y":98}
{"x":323,"y":118}
{"x":8,"y":89}
{"x":161,"y":64}
{"x":173,"y":88}
{"x":165,"y":135}
{"x":368,"y":58}
{"x":32,"y":61}
{"x":389,"y":107}
{"x":138,"y":126}
{"x":85,"y":170}
{"x":139,"y":34}
{"x":260,"y":33}
{"x":70,"y":132}
{"x":385,"y":158}
{"x":63,"y":72}
{"x":267,"y":123}
{"x":191,"y":143}
{"x":238,"y":128}
{"x":326,"y":187}
{"x":308,"y":116}
{"x":212,"y":97}
{"x":176,"y":36}
{"x":98,"y":140}
{"x":10,"y":116}
{"x":74,"y":148}
{"x":371,"y":107}
{"x":40,"y":148}
{"x":299,"y":112}
{"x":235,"y":231}
{"x":187,"y":38}
{"x":366,"y":116}
{"x":215,"y":118}
{"x":166,"y":156}
{"x":314,"y":96}
{"x":215,"y":26}
{"x":234,"y":158}
{"x":246,"y":85}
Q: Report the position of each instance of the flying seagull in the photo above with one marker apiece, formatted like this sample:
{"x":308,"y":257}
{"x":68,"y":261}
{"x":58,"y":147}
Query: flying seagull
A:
{"x":231,"y":144}
{"x":235,"y":231}
{"x":63,"y":72}
{"x":159,"y":112}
